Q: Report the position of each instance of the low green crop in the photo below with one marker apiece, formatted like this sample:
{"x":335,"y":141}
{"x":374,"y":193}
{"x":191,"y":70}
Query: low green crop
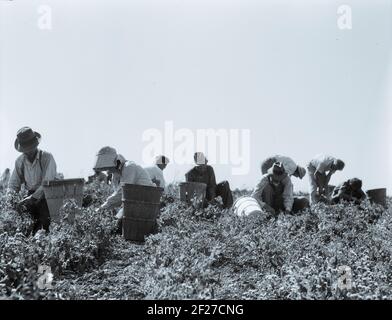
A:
{"x":210,"y":254}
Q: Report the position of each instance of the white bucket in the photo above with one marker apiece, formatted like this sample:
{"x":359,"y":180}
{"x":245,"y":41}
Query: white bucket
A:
{"x":247,"y":206}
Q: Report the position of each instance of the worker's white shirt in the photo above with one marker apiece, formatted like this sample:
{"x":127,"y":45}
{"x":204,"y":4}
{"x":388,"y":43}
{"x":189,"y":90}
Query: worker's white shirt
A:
{"x":289,"y":165}
{"x":156,"y":174}
{"x":130,"y":173}
{"x":321,"y":163}
{"x":35,"y":173}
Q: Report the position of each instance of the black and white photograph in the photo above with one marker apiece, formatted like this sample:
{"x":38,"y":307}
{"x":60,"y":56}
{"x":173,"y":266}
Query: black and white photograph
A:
{"x":209,"y":151}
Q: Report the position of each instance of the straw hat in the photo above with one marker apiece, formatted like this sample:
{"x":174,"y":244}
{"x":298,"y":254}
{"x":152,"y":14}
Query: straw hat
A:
{"x":27,"y":140}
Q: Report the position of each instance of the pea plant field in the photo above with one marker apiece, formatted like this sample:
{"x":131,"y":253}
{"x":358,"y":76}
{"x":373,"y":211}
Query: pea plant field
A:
{"x":331,"y":252}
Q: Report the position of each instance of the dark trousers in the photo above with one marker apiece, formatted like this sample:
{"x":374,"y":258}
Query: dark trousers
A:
{"x":273,"y":196}
{"x":40,"y":214}
{"x":223,"y":190}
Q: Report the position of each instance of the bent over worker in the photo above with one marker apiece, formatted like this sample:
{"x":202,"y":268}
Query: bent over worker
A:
{"x":204,"y":173}
{"x":319,"y":178}
{"x":123,"y":172}
{"x":156,"y":172}
{"x":290,"y":167}
{"x":32,"y":168}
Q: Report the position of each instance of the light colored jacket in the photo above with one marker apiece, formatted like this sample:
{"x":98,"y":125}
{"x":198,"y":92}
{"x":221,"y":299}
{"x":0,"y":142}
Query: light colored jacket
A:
{"x":156,"y":173}
{"x":32,"y":175}
{"x":321,"y":163}
{"x":289,"y":165}
{"x":130,"y":173}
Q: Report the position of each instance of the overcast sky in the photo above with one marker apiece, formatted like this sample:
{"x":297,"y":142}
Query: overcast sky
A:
{"x":107,"y":71}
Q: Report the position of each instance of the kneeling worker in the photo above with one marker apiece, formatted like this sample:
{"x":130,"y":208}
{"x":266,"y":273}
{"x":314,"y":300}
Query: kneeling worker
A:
{"x":204,"y":173}
{"x":275,"y":192}
{"x":123,"y":172}
{"x":350,"y":190}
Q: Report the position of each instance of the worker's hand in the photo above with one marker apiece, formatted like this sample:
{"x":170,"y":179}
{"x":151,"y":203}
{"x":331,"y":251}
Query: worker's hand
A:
{"x":156,"y":182}
{"x":28,"y":201}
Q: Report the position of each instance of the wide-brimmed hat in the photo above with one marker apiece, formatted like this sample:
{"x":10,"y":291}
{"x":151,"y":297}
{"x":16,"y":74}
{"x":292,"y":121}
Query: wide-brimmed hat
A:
{"x":106,"y":158}
{"x":27,"y":140}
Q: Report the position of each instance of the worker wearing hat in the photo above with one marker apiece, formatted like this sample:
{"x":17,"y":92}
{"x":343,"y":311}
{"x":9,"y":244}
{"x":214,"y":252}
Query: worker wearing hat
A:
{"x":204,"y":173}
{"x":290,"y":167}
{"x":320,"y":170}
{"x":123,"y":172}
{"x":156,"y":171}
{"x":275,"y":191}
{"x":32,"y":168}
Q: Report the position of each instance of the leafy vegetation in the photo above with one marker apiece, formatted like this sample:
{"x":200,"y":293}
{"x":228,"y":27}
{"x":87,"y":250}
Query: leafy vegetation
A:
{"x":210,"y":254}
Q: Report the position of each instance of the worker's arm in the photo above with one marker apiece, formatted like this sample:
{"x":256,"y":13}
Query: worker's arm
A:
{"x":342,"y":194}
{"x":50,"y":171}
{"x":258,"y":191}
{"x":128,"y":176}
{"x":288,"y":197}
{"x":362,"y":195}
{"x":113,"y":201}
{"x":329,"y":175}
{"x":211,"y":187}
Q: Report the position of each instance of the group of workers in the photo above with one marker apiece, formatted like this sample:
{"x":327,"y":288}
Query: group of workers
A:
{"x":274,"y":191}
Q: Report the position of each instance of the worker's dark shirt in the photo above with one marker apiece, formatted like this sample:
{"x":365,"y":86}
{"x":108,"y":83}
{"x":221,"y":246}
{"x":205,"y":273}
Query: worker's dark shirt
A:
{"x":345,"y":192}
{"x":203,"y":174}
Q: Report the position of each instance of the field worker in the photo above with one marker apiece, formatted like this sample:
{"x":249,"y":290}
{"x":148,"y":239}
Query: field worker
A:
{"x":290,"y":167}
{"x":156,"y":172}
{"x":32,"y":168}
{"x":275,"y":190}
{"x":204,"y":173}
{"x":5,"y":177}
{"x":123,"y":172}
{"x":350,"y":190}
{"x":319,"y":178}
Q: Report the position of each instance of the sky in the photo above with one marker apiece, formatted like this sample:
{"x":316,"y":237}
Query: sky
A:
{"x":103,"y":73}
